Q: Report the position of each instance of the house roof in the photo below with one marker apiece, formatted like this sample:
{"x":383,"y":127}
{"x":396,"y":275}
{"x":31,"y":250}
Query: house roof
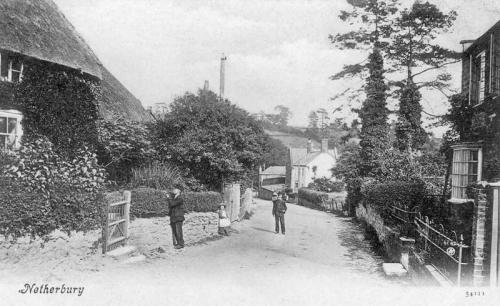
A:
{"x":38,"y":29}
{"x":300,"y":157}
{"x":118,"y":100}
{"x":275,"y":170}
{"x":485,"y":35}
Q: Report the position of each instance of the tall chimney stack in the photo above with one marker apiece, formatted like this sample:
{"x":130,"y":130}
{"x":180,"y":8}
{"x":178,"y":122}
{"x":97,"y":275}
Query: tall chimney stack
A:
{"x":222,"y":76}
{"x":324,"y":145}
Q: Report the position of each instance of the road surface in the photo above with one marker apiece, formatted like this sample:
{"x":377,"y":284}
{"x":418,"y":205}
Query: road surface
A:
{"x":322,"y":260}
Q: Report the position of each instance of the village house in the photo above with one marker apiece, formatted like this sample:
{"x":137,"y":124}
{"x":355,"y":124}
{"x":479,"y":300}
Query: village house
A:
{"x":306,"y":164}
{"x":34,"y":31}
{"x":477,"y":158}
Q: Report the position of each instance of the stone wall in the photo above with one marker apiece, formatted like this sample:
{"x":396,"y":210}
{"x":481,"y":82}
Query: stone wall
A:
{"x":388,"y":237}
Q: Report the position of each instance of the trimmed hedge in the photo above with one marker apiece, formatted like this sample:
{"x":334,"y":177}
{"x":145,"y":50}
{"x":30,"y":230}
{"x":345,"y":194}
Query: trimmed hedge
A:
{"x":385,"y":194}
{"x":149,"y":202}
{"x":313,"y":196}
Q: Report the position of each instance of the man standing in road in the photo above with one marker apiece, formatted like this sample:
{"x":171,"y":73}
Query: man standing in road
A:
{"x":176,"y":208}
{"x":279,"y":210}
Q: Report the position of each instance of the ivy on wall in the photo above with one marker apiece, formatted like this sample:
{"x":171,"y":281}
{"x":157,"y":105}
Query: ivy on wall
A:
{"x":59,"y":104}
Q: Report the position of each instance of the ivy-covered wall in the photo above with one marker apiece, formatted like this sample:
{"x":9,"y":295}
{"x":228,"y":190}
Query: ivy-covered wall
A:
{"x":59,"y":104}
{"x":6,"y":95}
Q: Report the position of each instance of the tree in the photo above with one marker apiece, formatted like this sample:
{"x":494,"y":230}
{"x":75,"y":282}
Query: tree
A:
{"x":374,"y":116}
{"x":413,"y":45}
{"x":313,"y":120}
{"x":323,"y":120}
{"x":276,"y":153}
{"x":210,"y":140}
{"x":283,"y":115}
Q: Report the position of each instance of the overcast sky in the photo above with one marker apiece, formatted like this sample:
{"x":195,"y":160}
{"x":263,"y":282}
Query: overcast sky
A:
{"x":278,"y":51}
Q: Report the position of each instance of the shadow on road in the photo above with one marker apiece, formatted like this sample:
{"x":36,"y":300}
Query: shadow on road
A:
{"x":262,"y":230}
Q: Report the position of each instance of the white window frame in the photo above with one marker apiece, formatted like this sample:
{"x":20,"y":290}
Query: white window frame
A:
{"x":481,"y":87}
{"x":461,"y":175}
{"x":12,"y":114}
{"x":11,"y":70}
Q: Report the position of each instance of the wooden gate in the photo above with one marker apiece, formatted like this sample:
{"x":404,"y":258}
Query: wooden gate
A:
{"x":232,"y":200}
{"x":115,"y":232}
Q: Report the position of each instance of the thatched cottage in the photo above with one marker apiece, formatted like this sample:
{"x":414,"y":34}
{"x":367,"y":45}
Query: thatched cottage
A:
{"x":36,"y":31}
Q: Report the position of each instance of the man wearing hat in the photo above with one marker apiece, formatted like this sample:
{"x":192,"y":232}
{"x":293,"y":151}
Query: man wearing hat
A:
{"x":176,"y":208}
{"x":279,"y":209}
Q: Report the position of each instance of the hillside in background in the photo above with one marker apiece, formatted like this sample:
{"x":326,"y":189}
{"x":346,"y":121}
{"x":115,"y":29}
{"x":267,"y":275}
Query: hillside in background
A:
{"x":290,"y":139}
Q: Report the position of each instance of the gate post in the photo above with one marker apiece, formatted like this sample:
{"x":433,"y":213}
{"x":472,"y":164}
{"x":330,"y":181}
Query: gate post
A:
{"x":126,"y":214}
{"x":479,"y":237}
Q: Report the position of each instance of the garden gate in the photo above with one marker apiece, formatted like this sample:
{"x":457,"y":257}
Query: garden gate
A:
{"x":115,"y":232}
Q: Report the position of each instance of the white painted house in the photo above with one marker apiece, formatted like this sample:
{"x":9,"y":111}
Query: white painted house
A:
{"x":306,"y":164}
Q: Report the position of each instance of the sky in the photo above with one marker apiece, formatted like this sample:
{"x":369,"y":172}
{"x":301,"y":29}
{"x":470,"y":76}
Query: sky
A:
{"x":278,"y":51}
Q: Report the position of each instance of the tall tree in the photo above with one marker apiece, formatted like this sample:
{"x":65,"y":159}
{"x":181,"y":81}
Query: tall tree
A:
{"x":374,"y":116}
{"x":376,"y":18}
{"x":283,"y":115}
{"x":313,"y":120}
{"x":323,"y":120}
{"x":414,"y":45}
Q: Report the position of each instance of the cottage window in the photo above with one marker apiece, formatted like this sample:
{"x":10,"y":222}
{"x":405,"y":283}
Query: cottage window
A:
{"x":11,"y":68}
{"x":466,"y":169}
{"x":10,"y":130}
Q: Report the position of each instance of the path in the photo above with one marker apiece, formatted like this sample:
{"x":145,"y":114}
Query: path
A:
{"x":323,"y":259}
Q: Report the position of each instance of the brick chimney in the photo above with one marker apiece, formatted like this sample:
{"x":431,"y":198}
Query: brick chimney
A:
{"x":324,"y":145}
{"x":309,"y":145}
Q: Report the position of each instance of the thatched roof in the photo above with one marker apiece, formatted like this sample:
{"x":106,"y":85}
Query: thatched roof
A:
{"x":38,"y":29}
{"x":117,"y":100}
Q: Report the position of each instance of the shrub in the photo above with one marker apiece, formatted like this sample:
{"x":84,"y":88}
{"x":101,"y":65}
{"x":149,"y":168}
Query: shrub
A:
{"x":383,"y":195}
{"x":148,"y":202}
{"x":157,"y":176}
{"x":124,"y":145}
{"x":50,"y":192}
{"x":326,"y":185}
{"x":313,"y":196}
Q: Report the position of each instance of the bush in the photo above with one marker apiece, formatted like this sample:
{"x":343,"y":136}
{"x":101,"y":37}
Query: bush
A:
{"x":383,"y":195}
{"x":313,"y":196}
{"x":48,"y":192}
{"x":157,"y":176}
{"x":124,"y":145}
{"x":148,"y":202}
{"x":326,"y":185}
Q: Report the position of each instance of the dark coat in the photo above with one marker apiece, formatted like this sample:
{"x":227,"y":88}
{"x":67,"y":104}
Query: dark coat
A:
{"x":176,"y":208}
{"x":279,"y":207}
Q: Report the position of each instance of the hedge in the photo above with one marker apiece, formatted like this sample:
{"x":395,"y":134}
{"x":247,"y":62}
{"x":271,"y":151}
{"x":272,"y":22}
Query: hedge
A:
{"x":25,"y":212}
{"x":383,"y":195}
{"x":313,"y":196}
{"x":149,"y":202}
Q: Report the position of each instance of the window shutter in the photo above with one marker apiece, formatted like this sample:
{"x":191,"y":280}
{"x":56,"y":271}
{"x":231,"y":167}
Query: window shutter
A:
{"x":495,"y":82}
{"x":465,"y":74}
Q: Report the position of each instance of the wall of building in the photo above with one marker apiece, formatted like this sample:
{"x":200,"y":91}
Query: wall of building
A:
{"x":323,"y":162}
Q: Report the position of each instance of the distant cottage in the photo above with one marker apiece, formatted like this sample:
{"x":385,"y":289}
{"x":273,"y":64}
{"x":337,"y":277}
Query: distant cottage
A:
{"x":306,"y":164}
{"x":34,"y":31}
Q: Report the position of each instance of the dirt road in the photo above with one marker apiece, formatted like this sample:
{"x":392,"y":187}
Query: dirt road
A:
{"x":322,"y":259}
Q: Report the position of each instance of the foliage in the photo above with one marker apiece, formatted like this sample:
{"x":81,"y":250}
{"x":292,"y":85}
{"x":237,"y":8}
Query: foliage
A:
{"x":61,"y":105}
{"x":283,"y":115}
{"x":409,"y":132}
{"x":47,"y":191}
{"x":374,"y":116}
{"x":124,"y":145}
{"x":211,"y":140}
{"x":326,"y":185}
{"x":275,"y":153}
{"x":313,"y":196}
{"x":413,"y":36}
{"x":148,"y":202}
{"x":157,"y":176}
{"x":383,"y":195}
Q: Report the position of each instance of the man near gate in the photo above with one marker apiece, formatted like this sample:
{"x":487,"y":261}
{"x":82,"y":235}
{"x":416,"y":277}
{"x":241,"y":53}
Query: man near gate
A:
{"x":279,"y":210}
{"x":176,"y":208}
